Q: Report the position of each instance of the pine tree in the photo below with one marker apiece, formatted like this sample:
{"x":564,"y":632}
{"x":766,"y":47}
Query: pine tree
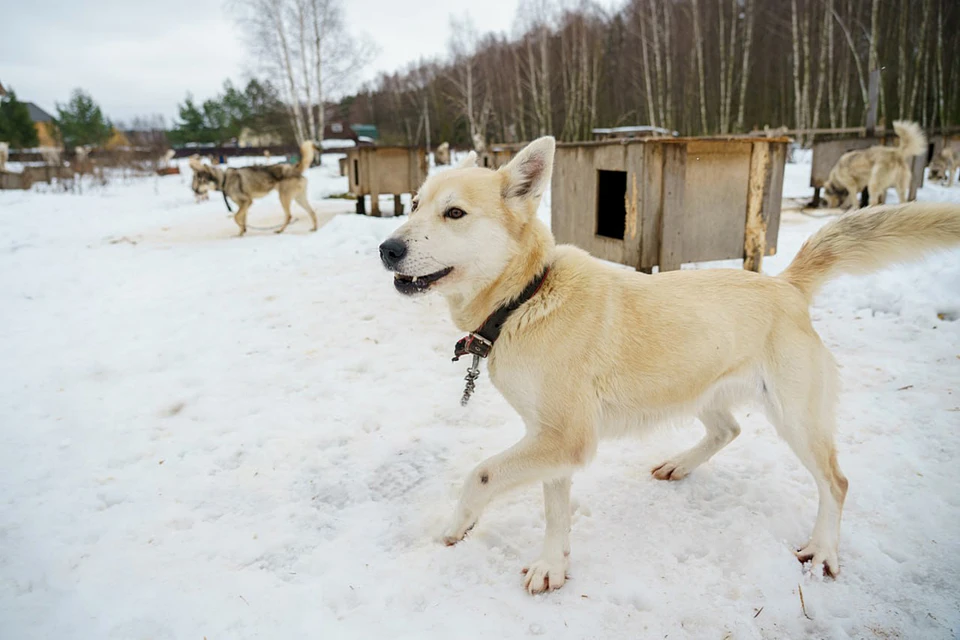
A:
{"x":81,"y":122}
{"x":16,"y":126}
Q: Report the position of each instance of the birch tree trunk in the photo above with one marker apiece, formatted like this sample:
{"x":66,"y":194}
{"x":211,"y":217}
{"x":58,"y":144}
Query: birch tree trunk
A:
{"x":822,"y":73}
{"x":698,"y":46}
{"x":831,"y":100}
{"x":648,"y":83}
{"x":723,"y":60}
{"x":655,"y":25}
{"x":745,"y":69}
{"x":795,"y":28}
{"x":918,"y":58}
{"x":275,"y":9}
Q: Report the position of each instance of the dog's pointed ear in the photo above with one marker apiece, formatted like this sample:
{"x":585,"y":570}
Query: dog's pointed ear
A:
{"x":195,"y":163}
{"x":527,"y":176}
{"x":468,"y":161}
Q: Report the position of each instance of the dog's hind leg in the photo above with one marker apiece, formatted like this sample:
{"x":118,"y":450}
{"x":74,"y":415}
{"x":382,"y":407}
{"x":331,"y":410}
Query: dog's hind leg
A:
{"x":302,"y":200}
{"x":721,"y":428}
{"x":285,"y":198}
{"x":800,"y":404}
{"x":877,"y":189}
{"x":903,"y":189}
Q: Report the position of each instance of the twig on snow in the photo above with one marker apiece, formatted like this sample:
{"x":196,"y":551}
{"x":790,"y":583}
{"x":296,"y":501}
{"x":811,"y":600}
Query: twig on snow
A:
{"x":803,"y":607}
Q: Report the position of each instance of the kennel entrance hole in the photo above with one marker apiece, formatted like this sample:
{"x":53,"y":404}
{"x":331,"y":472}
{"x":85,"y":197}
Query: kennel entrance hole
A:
{"x":611,"y":203}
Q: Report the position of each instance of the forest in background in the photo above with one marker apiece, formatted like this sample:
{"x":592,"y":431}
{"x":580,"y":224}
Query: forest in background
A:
{"x":695,"y":66}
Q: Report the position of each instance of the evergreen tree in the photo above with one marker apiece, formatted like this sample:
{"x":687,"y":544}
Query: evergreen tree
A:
{"x":16,"y":125}
{"x":81,"y":122}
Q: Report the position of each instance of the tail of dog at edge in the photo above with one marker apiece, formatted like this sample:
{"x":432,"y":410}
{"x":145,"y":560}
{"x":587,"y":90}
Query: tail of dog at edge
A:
{"x":869,"y":239}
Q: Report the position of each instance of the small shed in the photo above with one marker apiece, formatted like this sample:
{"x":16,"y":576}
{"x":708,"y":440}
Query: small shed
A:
{"x":663,"y":202}
{"x":826,"y":153}
{"x":498,"y":154}
{"x":392,"y":170}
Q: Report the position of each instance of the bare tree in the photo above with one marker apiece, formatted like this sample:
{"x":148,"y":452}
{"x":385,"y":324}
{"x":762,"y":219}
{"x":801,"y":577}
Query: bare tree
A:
{"x":307,"y":44}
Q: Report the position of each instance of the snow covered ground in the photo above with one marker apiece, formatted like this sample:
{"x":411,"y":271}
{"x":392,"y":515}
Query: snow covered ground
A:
{"x":210,"y":437}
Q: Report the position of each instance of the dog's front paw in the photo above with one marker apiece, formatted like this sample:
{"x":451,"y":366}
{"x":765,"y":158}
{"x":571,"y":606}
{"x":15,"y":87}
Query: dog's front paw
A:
{"x":455,"y":533}
{"x":823,"y":555}
{"x":545,"y":574}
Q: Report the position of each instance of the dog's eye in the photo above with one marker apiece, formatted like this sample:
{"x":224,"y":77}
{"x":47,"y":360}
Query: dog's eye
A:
{"x":454,"y":213}
{"x":414,"y":204}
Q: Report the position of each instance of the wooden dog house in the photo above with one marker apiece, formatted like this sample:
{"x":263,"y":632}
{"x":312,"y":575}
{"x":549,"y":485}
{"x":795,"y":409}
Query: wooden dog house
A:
{"x":667,"y":201}
{"x":826,"y":153}
{"x":497,"y":155}
{"x":392,"y":170}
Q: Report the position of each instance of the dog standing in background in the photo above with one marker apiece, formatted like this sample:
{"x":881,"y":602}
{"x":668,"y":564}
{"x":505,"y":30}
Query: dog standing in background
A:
{"x":245,"y":184}
{"x":876,"y":169}
{"x":943,"y":167}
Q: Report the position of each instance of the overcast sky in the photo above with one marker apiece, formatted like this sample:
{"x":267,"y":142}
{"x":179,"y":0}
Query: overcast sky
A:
{"x":140,"y":57}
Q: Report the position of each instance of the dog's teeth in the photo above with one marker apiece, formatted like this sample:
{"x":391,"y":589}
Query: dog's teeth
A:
{"x":414,"y":279}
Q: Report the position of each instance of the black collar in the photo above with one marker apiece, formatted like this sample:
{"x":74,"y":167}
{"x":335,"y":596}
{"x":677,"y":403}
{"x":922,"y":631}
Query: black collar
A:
{"x":481,"y":341}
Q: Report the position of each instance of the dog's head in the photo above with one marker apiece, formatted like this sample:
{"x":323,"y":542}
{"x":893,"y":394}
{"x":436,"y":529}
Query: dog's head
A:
{"x":938,"y":168}
{"x":467,"y":223}
{"x":835,"y":195}
{"x":205,"y":177}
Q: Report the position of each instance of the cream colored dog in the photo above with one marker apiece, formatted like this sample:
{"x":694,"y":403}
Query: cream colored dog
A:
{"x":876,"y":169}
{"x":943,"y":167}
{"x":599,"y":350}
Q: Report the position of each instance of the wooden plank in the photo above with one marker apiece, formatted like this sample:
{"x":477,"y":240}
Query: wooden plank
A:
{"x":715,"y":199}
{"x":672,"y":216}
{"x":773,"y":195}
{"x":755,"y":232}
{"x":917,"y":166}
{"x":397,"y":205}
{"x":651,"y":212}
{"x":633,"y":204}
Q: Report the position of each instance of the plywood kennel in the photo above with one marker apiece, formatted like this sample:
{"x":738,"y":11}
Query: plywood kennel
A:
{"x":498,"y":154}
{"x":385,"y":170}
{"x":667,"y":201}
{"x":826,"y":153}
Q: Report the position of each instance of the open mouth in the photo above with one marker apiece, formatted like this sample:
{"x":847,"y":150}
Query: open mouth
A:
{"x":408,"y":285}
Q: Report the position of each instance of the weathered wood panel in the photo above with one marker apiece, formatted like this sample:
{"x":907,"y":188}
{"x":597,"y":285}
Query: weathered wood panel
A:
{"x":651,"y":210}
{"x":674,"y":208}
{"x":14,"y":180}
{"x":774,"y":196}
{"x":755,"y":230}
{"x":716,"y":187}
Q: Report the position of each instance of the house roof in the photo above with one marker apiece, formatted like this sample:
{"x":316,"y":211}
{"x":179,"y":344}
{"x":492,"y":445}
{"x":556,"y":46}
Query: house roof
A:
{"x":37,"y":114}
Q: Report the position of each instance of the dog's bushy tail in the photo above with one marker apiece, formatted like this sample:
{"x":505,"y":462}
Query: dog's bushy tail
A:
{"x":306,"y":156}
{"x":871,"y":238}
{"x":912,"y":140}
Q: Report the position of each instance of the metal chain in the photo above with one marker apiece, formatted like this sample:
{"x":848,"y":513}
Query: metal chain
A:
{"x":473,"y":372}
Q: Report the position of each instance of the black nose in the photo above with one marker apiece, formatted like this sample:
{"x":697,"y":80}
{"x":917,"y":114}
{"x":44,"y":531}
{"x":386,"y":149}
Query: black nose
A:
{"x":392,"y":252}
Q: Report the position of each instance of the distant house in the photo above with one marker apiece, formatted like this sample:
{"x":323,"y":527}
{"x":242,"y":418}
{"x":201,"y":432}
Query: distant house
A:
{"x":44,"y":124}
{"x":342,"y":131}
